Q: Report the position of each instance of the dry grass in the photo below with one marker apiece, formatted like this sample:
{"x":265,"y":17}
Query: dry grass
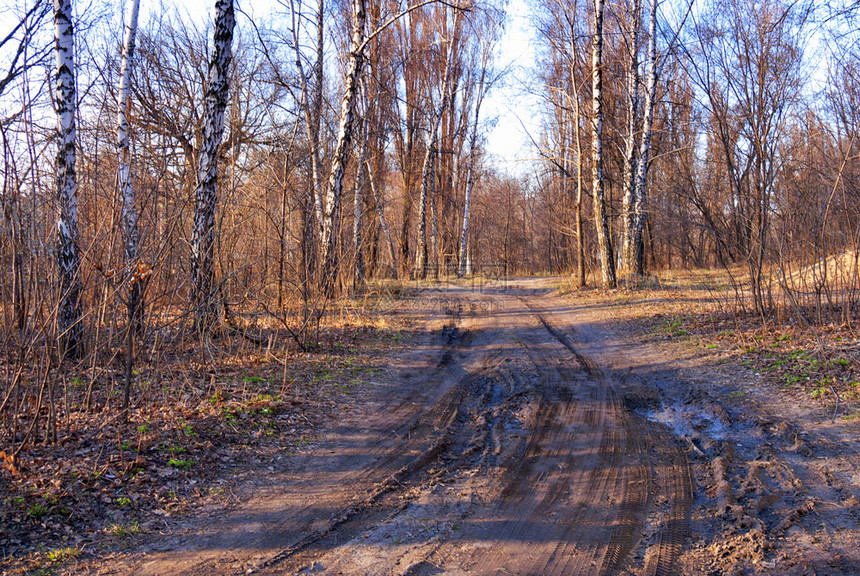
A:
{"x":194,"y":408}
{"x":811,"y":362}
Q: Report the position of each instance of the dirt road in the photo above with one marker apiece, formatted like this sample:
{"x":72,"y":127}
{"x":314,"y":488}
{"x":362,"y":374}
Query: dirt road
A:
{"x":503,"y":443}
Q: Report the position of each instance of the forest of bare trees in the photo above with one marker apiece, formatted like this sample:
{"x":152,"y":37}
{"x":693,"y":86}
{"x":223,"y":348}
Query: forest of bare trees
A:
{"x":188,"y":181}
{"x":718,"y":136}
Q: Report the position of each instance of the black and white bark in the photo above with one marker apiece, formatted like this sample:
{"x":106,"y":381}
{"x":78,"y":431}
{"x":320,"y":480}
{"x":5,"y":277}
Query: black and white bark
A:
{"x":69,"y":315}
{"x":129,"y":218}
{"x":205,"y":293}
{"x":640,"y":215}
{"x":631,"y":149}
{"x":426,"y":183}
{"x":311,"y":100}
{"x":334,"y":189}
{"x":358,"y":196}
{"x":434,"y":226}
{"x":470,"y":184}
{"x":601,"y":218}
{"x":483,"y":87}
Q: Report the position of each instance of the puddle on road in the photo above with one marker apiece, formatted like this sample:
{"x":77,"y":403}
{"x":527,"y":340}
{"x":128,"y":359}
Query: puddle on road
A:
{"x":687,"y":420}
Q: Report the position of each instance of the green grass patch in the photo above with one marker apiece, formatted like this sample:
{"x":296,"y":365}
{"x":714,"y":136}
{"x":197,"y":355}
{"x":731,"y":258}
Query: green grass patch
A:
{"x":62,"y":554}
{"x":181,"y":463}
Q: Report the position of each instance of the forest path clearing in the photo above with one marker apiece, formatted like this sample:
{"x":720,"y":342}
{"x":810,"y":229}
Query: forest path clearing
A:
{"x":514,"y":438}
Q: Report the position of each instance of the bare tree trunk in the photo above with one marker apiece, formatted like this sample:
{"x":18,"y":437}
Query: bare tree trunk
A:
{"x":640,"y":215}
{"x":205,"y":197}
{"x":358,"y":199}
{"x":131,"y":234}
{"x":434,"y":227}
{"x":68,"y":255}
{"x":580,"y":241}
{"x":381,"y":213}
{"x":467,"y":203}
{"x":404,"y":232}
{"x":426,"y":183}
{"x":470,"y":172}
{"x":311,"y":103}
{"x":577,"y":135}
{"x":405,"y":138}
{"x":630,"y":149}
{"x":334,"y":190}
{"x":601,"y":219}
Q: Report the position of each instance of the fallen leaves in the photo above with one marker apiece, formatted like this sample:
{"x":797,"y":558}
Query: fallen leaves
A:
{"x":192,"y":429}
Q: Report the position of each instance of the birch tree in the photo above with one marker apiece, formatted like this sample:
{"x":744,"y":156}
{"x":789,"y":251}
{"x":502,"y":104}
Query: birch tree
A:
{"x":334,"y":189}
{"x":311,"y":98}
{"x":637,"y":158}
{"x":631,"y":150}
{"x":131,"y":234}
{"x":68,"y":252}
{"x":129,"y":218}
{"x":358,"y":196}
{"x":205,"y":292}
{"x":601,"y":219}
{"x":577,"y":122}
{"x":470,"y":172}
{"x":637,"y":231}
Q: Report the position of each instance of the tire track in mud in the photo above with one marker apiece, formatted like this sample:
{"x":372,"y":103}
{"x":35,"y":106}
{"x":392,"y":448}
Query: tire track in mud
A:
{"x":572,"y":497}
{"x":676,"y":485}
{"x":410,"y":436}
{"x":604,"y":482}
{"x":509,"y":453}
{"x":433,"y":422}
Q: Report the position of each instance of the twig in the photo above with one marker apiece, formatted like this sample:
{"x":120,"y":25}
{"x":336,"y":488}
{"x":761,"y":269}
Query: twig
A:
{"x":836,"y":408}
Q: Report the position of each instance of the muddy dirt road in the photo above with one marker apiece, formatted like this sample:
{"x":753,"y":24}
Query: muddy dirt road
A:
{"x":501,"y":444}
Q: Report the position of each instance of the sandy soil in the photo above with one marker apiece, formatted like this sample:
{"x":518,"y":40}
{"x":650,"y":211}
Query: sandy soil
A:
{"x":527,"y":433}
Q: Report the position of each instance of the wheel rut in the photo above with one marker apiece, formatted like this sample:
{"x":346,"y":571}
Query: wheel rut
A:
{"x":500,"y":449}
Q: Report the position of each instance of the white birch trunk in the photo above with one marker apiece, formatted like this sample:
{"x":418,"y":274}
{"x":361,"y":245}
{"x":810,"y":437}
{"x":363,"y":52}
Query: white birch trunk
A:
{"x":334,"y":189}
{"x":580,"y":241}
{"x":467,"y":202}
{"x":358,"y":199}
{"x":68,"y":255}
{"x":630,"y":147}
{"x":577,"y":135}
{"x":311,"y":106}
{"x":434,"y":227}
{"x":205,"y":197}
{"x":131,"y":234}
{"x":421,"y":250}
{"x":601,"y":220}
{"x":639,"y":210}
{"x":470,"y":173}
